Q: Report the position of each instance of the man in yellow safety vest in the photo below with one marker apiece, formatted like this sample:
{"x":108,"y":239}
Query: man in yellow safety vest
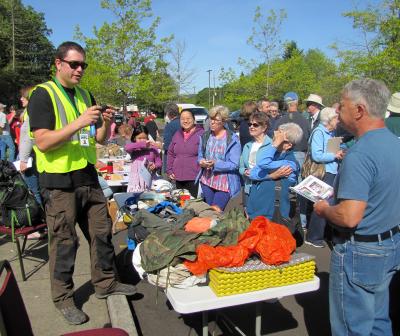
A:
{"x":66,"y":124}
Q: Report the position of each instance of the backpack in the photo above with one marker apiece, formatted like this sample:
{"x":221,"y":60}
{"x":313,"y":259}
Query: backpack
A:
{"x":18,"y":206}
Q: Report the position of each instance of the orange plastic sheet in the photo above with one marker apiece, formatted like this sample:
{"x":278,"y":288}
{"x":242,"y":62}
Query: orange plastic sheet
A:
{"x":272,"y":242}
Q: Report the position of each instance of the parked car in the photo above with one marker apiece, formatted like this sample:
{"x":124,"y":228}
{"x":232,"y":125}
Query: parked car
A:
{"x":200,"y":112}
{"x":235,"y":118}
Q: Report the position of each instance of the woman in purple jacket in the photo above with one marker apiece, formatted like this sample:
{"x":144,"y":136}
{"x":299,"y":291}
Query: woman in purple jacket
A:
{"x":182,"y":165}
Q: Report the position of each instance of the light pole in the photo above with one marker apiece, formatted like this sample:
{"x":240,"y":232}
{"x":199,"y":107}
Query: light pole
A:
{"x":209,"y":88}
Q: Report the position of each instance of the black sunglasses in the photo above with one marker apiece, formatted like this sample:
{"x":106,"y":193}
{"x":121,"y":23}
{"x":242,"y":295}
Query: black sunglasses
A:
{"x":75,"y":64}
{"x":255,"y":125}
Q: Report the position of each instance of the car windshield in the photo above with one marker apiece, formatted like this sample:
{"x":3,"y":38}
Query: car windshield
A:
{"x":198,"y":111}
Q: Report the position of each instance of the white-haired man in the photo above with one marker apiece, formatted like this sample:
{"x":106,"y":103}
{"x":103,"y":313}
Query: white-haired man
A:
{"x":365,"y":219}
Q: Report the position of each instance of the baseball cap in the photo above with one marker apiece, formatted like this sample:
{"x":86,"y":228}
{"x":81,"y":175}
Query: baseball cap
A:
{"x":290,"y":97}
{"x":2,"y":105}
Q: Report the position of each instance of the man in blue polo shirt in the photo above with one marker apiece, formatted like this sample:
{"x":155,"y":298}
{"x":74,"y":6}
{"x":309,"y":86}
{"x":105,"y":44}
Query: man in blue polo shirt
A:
{"x":366,"y":218}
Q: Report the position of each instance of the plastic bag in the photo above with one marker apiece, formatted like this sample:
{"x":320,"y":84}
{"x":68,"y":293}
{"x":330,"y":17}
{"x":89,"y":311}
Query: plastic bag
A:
{"x":273,"y":242}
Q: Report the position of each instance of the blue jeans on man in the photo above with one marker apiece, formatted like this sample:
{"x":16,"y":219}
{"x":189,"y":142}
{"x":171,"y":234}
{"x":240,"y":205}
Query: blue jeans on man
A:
{"x":300,"y":157}
{"x":9,"y":143}
{"x":3,"y":148}
{"x":359,"y":281}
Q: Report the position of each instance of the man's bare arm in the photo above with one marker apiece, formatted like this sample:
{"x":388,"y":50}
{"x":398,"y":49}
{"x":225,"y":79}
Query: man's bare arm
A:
{"x":48,"y":140}
{"x":348,"y":213}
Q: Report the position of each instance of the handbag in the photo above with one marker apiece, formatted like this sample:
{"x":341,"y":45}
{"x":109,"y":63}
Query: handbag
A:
{"x":310,"y":167}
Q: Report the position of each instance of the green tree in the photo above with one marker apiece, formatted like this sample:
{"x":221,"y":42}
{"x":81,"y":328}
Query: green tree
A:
{"x":291,"y":50}
{"x":307,"y":73}
{"x":180,"y":68}
{"x":265,"y":37}
{"x":124,"y":52}
{"x":378,"y":55}
{"x":26,"y":54}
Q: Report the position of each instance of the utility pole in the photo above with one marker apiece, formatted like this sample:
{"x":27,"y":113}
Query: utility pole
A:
{"x":214,"y":94}
{"x":13,"y":34}
{"x":209,"y":88}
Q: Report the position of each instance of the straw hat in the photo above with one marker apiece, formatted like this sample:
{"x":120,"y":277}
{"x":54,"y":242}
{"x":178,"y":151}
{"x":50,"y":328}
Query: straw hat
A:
{"x":313,"y":98}
{"x":394,"y":103}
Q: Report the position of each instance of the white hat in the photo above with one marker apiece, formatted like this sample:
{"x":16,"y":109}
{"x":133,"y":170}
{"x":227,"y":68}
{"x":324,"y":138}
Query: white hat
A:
{"x":313,"y":98}
{"x":2,"y":106}
{"x":394,"y":103}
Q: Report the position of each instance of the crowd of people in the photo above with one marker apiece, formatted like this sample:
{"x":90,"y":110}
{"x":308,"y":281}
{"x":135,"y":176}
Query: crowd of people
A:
{"x":261,"y":163}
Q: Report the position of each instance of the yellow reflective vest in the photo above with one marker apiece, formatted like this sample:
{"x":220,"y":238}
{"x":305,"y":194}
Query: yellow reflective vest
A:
{"x":71,"y":155}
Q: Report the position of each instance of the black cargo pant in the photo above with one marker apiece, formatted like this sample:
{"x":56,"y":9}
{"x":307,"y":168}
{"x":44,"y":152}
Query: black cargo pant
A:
{"x":85,"y":205}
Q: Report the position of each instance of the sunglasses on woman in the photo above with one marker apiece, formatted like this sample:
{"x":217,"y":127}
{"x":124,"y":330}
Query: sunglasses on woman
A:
{"x":255,"y":125}
{"x":75,"y":64}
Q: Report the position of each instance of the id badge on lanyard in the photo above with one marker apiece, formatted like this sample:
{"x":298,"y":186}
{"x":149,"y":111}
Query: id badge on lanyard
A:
{"x":84,"y":138}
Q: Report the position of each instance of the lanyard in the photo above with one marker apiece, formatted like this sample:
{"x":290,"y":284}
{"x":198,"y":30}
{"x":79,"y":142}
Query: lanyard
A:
{"x":67,"y":96}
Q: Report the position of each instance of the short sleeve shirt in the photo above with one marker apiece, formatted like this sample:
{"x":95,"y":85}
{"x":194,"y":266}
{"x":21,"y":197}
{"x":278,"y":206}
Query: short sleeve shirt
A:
{"x":370,"y":172}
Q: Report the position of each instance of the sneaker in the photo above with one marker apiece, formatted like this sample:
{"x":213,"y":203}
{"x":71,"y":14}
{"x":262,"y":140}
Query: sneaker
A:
{"x":73,"y":315}
{"x":118,"y":289}
{"x":315,"y":244}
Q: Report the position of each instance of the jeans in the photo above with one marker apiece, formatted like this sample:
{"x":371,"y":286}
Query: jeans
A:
{"x":2,"y":149}
{"x":32,"y":182}
{"x":7,"y":139}
{"x":360,"y":274}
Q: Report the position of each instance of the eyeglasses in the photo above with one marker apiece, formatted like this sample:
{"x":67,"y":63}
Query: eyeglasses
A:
{"x":75,"y":64}
{"x":215,"y":120}
{"x":255,"y":125}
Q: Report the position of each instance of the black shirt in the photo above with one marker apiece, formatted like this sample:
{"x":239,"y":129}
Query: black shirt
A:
{"x":41,"y":116}
{"x":244,"y":132}
{"x":297,"y":118}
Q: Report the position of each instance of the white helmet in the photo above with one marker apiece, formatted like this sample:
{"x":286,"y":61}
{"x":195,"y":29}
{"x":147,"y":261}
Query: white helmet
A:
{"x":161,"y":185}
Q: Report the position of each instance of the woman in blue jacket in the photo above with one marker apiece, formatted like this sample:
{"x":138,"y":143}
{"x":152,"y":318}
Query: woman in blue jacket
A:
{"x":319,"y":153}
{"x":218,"y":157}
{"x":263,"y":161}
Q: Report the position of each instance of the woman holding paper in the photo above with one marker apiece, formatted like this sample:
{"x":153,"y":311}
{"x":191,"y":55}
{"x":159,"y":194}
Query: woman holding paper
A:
{"x":320,"y":153}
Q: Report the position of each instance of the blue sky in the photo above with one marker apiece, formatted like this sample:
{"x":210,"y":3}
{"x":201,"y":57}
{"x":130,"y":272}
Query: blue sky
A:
{"x":215,"y":31}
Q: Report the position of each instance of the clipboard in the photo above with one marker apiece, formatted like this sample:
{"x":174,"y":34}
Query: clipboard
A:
{"x":334,"y":145}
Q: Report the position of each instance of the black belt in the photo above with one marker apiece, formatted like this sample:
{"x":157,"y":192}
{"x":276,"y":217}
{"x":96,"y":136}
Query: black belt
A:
{"x":367,"y":238}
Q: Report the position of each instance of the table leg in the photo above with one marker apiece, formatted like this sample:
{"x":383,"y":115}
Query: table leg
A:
{"x":205,"y":322}
{"x":258,"y":318}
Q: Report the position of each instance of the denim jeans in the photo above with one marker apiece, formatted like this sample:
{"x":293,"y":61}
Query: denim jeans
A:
{"x":300,"y":157}
{"x":359,"y":281}
{"x":7,"y":139}
{"x":2,"y":149}
{"x":32,"y":182}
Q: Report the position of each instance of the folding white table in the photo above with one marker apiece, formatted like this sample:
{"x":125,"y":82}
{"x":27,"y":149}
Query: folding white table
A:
{"x":202,"y":299}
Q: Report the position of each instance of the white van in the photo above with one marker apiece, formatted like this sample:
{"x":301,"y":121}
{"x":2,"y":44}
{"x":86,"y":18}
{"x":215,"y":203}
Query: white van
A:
{"x":200,"y":112}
